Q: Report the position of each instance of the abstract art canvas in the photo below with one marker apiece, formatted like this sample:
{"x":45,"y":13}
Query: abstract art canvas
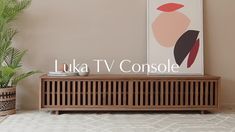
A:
{"x":175,"y":36}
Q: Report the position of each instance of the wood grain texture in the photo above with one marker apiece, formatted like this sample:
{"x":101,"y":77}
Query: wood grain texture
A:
{"x":128,"y":93}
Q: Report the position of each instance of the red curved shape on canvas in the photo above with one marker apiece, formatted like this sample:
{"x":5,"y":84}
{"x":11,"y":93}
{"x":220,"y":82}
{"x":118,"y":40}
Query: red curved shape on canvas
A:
{"x":170,"y":7}
{"x":193,"y":54}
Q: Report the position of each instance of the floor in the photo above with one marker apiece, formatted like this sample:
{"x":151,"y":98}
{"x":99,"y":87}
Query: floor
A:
{"x":34,"y":121}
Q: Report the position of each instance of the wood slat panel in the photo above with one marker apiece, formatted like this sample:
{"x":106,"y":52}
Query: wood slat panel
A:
{"x":53,"y":93}
{"x":206,"y":92}
{"x":136,"y":93}
{"x":172,"y":93}
{"x":99,"y":93}
{"x":166,"y":93}
{"x":63,"y":93}
{"x":42,"y":94}
{"x":211,"y":93}
{"x":157,"y":94}
{"x":115,"y":93}
{"x":104,"y":94}
{"x":151,"y":93}
{"x":146,"y":92}
{"x":94,"y":93}
{"x":161,"y":93}
{"x":176,"y":93}
{"x":124,"y":92}
{"x":182,"y":93}
{"x":84,"y":93}
{"x":119,"y":93}
{"x":58,"y":93}
{"x":68,"y":93}
{"x":141,"y":93}
{"x":196,"y":93}
{"x":48,"y":92}
{"x":187,"y":93}
{"x":89,"y":93}
{"x":130,"y":93}
{"x":191,"y":93}
{"x":79,"y":93}
{"x":201,"y":93}
{"x":74,"y":93}
{"x":217,"y":86}
{"x":109,"y":92}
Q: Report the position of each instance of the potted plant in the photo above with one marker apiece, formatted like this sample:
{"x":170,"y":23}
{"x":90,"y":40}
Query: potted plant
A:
{"x":10,"y":57}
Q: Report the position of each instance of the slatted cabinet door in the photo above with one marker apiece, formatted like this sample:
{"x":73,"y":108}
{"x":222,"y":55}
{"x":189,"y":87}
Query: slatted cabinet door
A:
{"x":137,"y":93}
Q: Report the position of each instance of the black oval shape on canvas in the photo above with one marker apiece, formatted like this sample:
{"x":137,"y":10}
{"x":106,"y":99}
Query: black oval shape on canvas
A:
{"x":184,"y":45}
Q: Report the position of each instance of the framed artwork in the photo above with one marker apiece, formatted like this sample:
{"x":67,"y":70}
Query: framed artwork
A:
{"x":175,"y":37}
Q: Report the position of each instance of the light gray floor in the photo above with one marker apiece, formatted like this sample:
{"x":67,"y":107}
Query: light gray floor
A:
{"x":34,"y":121}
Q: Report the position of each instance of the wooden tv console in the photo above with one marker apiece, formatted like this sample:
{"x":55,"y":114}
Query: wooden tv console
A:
{"x":130,"y":93}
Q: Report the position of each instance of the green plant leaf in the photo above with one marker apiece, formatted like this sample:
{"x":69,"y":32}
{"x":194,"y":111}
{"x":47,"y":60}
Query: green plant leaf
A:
{"x":23,"y":76}
{"x":6,"y":73}
{"x":10,"y":57}
{"x":6,"y":36}
{"x":14,"y":7}
{"x":2,"y":6}
{"x":14,"y":57}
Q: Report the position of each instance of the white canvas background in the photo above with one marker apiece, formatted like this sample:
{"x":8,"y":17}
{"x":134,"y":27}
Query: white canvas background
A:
{"x":158,"y":54}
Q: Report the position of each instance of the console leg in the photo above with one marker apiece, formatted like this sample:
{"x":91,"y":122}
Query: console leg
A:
{"x":57,"y":112}
{"x":202,"y":112}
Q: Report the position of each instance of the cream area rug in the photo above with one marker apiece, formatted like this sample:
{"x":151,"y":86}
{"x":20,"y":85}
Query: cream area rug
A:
{"x":81,"y":122}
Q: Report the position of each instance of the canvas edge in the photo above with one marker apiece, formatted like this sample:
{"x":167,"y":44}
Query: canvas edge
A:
{"x":148,"y":73}
{"x":203,"y":45}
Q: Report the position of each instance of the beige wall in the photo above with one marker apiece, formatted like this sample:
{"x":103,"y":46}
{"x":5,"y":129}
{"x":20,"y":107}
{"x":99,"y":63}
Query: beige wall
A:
{"x":111,"y":29}
{"x":219,"y":45}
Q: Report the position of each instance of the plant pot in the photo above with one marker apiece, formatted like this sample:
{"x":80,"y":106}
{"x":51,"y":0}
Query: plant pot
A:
{"x":7,"y":101}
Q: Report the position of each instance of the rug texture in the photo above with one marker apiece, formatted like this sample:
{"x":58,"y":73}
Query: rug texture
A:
{"x":46,"y":122}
